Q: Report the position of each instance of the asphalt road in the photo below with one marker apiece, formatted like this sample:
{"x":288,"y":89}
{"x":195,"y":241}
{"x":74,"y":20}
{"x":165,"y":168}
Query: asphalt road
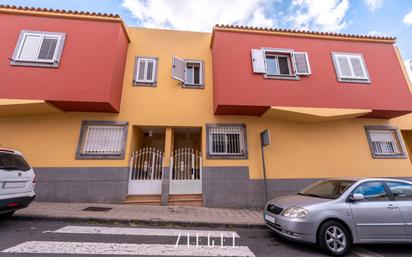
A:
{"x":22,"y":237}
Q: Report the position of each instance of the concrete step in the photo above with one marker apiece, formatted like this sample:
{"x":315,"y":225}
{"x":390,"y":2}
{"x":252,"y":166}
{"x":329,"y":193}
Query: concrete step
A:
{"x":195,"y":200}
{"x":143,"y":199}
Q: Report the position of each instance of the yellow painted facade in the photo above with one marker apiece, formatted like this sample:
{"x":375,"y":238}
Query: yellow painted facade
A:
{"x":298,"y":150}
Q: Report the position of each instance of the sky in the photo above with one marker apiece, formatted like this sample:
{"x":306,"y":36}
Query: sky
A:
{"x":373,"y":17}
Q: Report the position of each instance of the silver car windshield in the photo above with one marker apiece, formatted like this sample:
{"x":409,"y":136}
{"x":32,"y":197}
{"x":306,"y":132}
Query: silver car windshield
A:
{"x":10,"y":161}
{"x":328,"y":189}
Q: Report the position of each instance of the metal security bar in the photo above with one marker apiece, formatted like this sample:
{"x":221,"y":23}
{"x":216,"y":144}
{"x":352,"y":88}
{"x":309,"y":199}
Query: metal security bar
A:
{"x":146,"y":164}
{"x":186,"y":164}
{"x":384,"y":142}
{"x":103,"y":139}
{"x":226,"y":139}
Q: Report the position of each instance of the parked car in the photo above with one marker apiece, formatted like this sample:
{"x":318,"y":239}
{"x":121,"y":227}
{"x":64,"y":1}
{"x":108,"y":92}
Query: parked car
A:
{"x":336,"y":213}
{"x":17,"y":181}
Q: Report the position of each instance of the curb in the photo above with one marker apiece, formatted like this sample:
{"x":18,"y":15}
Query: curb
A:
{"x":136,"y":222}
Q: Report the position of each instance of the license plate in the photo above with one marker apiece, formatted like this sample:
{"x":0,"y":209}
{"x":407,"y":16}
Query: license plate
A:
{"x":14,"y":184}
{"x":270,"y":218}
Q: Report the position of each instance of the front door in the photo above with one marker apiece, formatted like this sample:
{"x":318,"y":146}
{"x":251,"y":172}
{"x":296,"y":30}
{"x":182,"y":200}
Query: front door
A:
{"x":377,"y":217}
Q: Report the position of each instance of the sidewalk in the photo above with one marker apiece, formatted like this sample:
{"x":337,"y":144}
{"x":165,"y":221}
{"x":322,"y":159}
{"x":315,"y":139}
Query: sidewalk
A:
{"x":156,"y":215}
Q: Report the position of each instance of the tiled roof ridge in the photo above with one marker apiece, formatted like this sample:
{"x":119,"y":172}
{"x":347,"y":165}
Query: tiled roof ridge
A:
{"x":319,"y":33}
{"x":59,"y":11}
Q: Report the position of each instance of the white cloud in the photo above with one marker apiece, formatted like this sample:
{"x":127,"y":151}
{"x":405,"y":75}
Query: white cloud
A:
{"x":199,"y":15}
{"x":408,"y":19}
{"x":325,"y":15}
{"x":373,"y":5}
{"x":408,"y":68}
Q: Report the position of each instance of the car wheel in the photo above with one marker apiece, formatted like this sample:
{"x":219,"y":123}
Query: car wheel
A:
{"x":6,"y":215}
{"x":333,"y":238}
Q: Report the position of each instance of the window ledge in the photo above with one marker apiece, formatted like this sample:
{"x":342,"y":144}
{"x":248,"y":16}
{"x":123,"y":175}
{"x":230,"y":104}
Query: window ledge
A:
{"x":283,"y":77}
{"x":192,"y":86}
{"x":144,"y":84}
{"x":80,"y":156}
{"x":397,"y":156}
{"x":227,"y":157}
{"x":358,"y":81}
{"x":34,"y":64}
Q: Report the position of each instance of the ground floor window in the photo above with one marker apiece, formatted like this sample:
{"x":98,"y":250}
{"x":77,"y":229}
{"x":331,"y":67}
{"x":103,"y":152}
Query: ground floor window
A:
{"x":385,"y":142}
{"x":226,"y":141}
{"x":102,"y":139}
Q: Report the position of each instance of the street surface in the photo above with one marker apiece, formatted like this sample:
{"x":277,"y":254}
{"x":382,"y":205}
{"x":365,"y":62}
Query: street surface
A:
{"x":34,"y":238}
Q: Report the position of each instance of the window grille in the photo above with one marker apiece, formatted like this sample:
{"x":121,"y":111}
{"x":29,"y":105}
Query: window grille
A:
{"x":226,"y":140}
{"x":101,"y":139}
{"x":385,"y":142}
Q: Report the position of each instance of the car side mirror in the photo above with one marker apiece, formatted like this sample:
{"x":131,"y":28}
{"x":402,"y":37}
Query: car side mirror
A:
{"x":356,"y":197}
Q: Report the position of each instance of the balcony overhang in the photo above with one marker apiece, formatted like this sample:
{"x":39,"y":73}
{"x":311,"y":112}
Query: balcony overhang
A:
{"x":312,"y":115}
{"x":20,"y":107}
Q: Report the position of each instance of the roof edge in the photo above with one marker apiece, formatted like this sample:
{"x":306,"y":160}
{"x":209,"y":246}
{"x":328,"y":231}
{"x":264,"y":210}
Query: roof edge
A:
{"x":301,"y":33}
{"x":67,"y":14}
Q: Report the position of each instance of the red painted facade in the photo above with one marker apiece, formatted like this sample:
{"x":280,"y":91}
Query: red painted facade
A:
{"x":239,"y":91}
{"x":90,"y":74}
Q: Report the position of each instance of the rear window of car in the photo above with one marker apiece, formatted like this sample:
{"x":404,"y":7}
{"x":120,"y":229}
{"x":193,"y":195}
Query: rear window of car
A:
{"x":10,"y":161}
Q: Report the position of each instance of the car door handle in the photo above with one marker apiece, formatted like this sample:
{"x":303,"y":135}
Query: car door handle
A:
{"x":391,"y":206}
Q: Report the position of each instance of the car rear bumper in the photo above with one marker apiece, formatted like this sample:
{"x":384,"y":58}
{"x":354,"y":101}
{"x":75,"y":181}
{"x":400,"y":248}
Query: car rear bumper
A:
{"x":12,"y":204}
{"x":293,"y":229}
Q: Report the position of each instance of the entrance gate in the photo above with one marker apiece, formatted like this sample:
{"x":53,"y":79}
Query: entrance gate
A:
{"x":146,"y":172}
{"x":185,"y":172}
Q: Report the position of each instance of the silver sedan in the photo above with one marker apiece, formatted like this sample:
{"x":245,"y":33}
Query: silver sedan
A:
{"x":335,"y":213}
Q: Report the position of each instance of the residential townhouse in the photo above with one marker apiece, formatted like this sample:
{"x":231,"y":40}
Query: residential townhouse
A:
{"x":109,"y":113}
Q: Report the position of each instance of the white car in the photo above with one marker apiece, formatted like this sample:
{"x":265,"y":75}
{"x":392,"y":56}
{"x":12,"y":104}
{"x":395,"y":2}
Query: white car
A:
{"x":17,"y":181}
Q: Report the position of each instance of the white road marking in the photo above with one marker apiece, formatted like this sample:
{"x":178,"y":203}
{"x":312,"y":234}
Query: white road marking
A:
{"x":362,"y":252}
{"x":53,"y":247}
{"x":143,"y":231}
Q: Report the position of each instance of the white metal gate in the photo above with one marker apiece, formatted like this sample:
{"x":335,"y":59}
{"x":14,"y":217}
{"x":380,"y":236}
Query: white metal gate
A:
{"x":186,"y":172}
{"x":146,"y":172}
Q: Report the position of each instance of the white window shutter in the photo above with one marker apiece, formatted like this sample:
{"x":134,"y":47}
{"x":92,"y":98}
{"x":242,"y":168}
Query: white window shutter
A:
{"x":357,"y":67}
{"x":343,"y":66}
{"x":101,"y":139}
{"x":29,"y":47}
{"x":258,"y":61}
{"x":178,"y":69}
{"x":302,"y":66}
{"x":201,"y":75}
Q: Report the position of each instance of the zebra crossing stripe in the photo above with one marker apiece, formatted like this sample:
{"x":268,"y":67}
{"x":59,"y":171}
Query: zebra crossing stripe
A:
{"x":144,"y":231}
{"x":53,"y":247}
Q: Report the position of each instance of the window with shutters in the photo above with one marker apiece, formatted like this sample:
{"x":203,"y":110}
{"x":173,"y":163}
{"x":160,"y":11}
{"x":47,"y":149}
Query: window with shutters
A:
{"x":226,"y":141}
{"x":350,"y":67}
{"x":102,"y":139}
{"x":188,"y":72}
{"x":36,"y":48}
{"x":385,"y":142}
{"x":145,"y":71}
{"x":280,"y":63}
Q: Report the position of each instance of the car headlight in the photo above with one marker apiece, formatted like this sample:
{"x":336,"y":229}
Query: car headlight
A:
{"x":295,"y":212}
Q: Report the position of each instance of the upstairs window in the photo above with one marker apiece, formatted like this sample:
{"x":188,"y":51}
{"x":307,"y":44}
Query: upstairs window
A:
{"x":385,"y":142}
{"x":102,"y":139}
{"x":280,"y":63}
{"x":36,"y":48}
{"x":226,"y":141}
{"x":350,"y":67}
{"x":188,"y":72}
{"x":145,"y":71}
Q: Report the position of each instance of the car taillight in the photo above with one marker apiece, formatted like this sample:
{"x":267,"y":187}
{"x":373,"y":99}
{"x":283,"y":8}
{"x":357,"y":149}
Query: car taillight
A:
{"x":34,"y":179}
{"x":12,"y":204}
